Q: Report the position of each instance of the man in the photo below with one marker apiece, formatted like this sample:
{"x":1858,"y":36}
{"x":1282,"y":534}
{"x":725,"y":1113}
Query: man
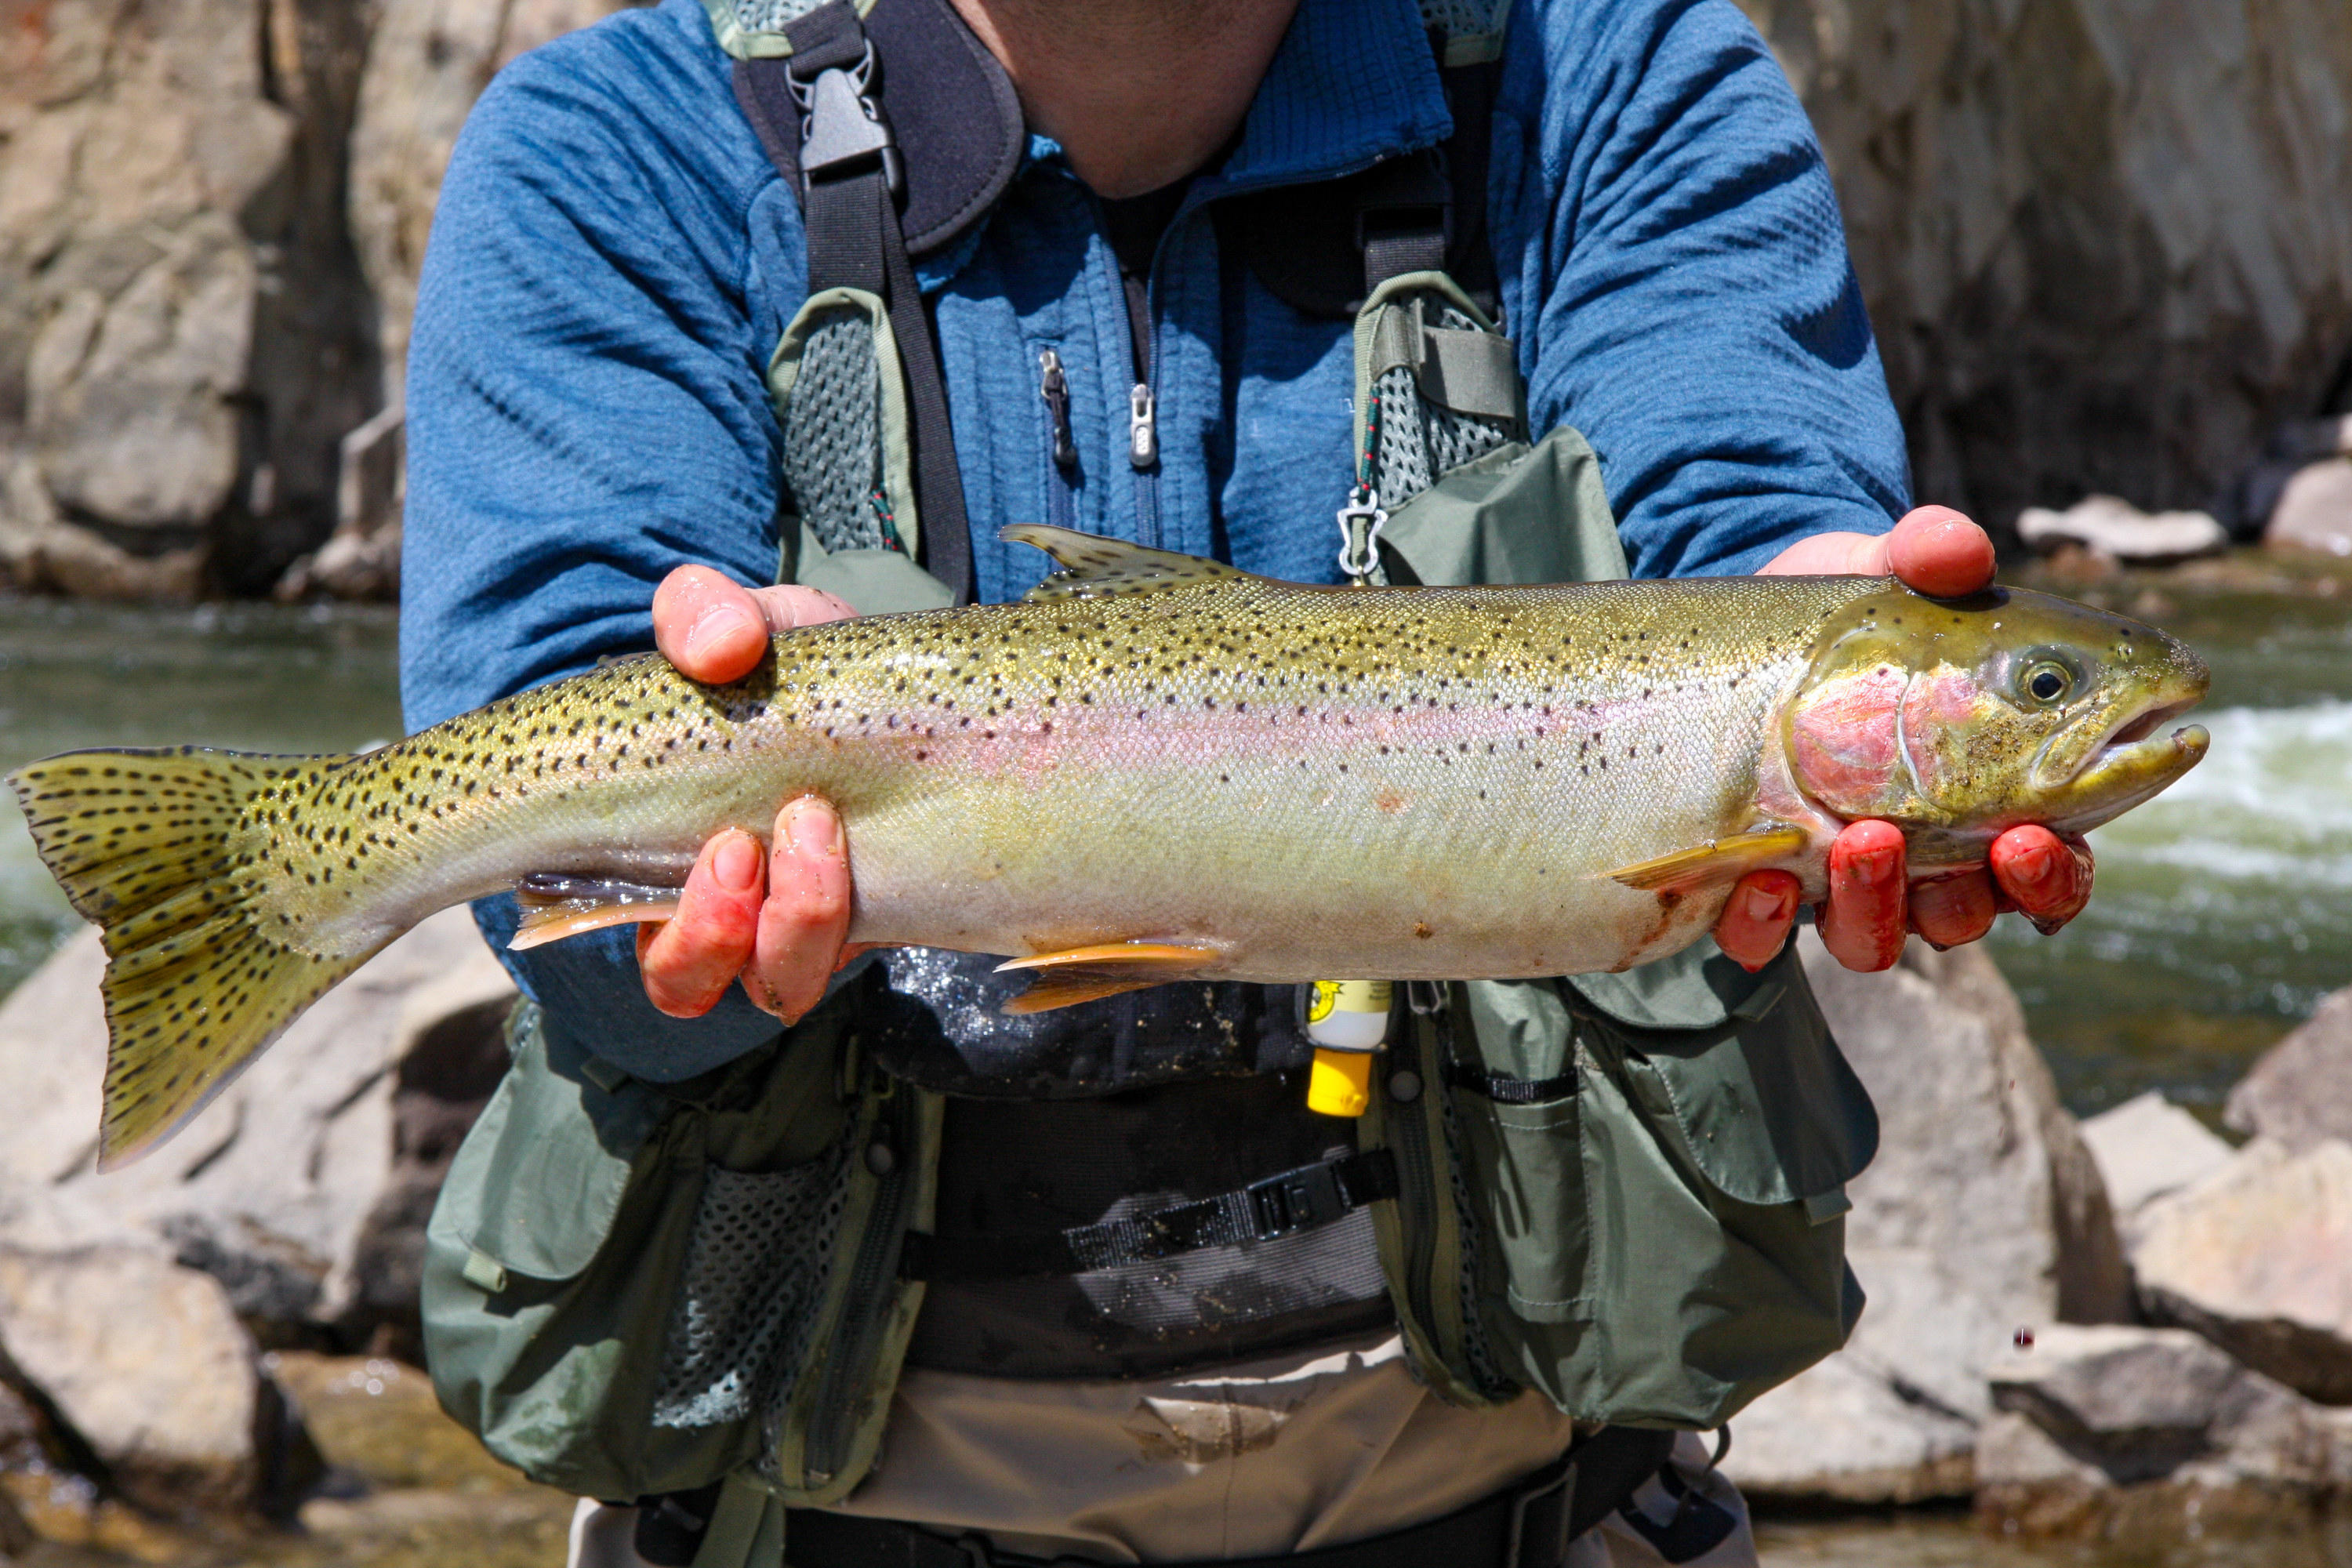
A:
{"x":591,"y":425}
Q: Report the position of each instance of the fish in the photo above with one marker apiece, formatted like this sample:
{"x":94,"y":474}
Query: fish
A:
{"x":1154,"y":768}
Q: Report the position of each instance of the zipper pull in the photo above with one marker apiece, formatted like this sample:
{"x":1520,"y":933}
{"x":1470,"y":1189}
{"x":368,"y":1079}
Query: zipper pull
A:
{"x":1056,"y":388}
{"x":1142,"y":437}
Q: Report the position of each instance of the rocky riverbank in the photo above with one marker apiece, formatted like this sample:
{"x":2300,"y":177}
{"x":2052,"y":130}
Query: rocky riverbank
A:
{"x":2114,"y":1330}
{"x":2102,"y":242}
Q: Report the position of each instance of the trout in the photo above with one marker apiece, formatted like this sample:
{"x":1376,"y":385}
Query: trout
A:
{"x":1155,"y":768}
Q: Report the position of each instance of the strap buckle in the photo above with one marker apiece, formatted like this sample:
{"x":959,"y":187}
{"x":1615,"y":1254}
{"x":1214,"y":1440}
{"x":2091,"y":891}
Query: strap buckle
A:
{"x":1296,"y":1201}
{"x":1564,"y":1481}
{"x":1360,"y":522}
{"x":842,"y":126}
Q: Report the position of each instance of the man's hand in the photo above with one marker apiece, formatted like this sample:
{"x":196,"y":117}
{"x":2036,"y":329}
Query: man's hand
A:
{"x":1872,"y":902}
{"x":777,"y":915}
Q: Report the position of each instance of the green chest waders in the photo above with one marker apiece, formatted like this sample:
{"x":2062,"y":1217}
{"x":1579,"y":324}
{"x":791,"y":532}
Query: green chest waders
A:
{"x":1624,"y":1192}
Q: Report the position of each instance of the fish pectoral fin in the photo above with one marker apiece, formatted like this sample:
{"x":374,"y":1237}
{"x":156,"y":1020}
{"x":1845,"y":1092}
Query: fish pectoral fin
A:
{"x":1095,"y":568}
{"x":1079,"y":974}
{"x":555,"y":906}
{"x":1704,"y":865}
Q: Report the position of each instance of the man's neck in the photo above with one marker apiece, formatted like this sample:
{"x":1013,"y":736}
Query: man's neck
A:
{"x":1139,"y":94}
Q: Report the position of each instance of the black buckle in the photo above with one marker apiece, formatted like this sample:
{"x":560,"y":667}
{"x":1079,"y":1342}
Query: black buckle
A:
{"x":1410,"y":195}
{"x":1296,"y":1201}
{"x":841,"y":127}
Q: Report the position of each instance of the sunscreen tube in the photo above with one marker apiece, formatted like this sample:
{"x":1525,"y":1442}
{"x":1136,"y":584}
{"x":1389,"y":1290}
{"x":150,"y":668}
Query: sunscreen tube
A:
{"x":1347,"y":1021}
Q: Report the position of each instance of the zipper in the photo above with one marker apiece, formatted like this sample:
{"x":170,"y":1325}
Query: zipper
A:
{"x":1142,"y":409}
{"x":1053,"y":386}
{"x":873,"y":1295}
{"x":1407,"y":1133}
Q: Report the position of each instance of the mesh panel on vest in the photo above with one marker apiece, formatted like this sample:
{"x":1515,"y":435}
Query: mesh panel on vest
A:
{"x":1420,"y":441}
{"x":771,"y":15}
{"x":1461,"y":18}
{"x":753,"y":1268}
{"x":832,"y":434}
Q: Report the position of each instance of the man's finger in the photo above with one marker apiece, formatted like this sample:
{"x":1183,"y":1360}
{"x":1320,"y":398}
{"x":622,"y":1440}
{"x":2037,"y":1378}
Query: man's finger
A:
{"x":1938,"y":552}
{"x":2048,"y":878}
{"x":806,"y":917}
{"x":1949,"y":911}
{"x":788,"y":604}
{"x":1756,"y":920}
{"x":688,"y":960}
{"x":708,"y":625}
{"x":1864,"y":922}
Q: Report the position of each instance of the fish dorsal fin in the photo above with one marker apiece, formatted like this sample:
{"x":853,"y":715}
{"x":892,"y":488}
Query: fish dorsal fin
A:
{"x":1094,"y":567}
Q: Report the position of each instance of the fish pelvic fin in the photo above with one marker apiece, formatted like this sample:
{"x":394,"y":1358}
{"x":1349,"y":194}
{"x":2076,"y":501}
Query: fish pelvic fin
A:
{"x":555,"y":906}
{"x":1079,"y":974}
{"x":1715,"y":861}
{"x":144,"y":845}
{"x":1097,"y":568}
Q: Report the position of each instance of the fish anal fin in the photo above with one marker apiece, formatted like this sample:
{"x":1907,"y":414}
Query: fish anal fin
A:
{"x":1079,"y":974}
{"x":1706,"y":865}
{"x":556,"y":906}
{"x":1094,"y":567}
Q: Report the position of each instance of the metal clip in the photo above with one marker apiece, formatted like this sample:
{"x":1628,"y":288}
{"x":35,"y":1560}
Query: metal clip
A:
{"x":840,"y":125}
{"x":1360,"y":522}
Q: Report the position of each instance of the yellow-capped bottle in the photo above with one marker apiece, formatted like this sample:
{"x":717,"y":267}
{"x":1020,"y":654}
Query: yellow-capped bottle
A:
{"x":1347,"y":1022}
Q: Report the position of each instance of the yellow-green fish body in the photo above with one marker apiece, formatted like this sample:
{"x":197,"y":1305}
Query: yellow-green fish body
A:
{"x":1206,"y":771}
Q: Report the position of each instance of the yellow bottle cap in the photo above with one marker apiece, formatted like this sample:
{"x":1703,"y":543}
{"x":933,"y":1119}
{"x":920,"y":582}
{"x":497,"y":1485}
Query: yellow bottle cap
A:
{"x":1339,"y":1084}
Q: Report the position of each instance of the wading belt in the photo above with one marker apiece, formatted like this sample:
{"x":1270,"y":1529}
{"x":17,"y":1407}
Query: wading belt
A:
{"x":1527,"y":1525}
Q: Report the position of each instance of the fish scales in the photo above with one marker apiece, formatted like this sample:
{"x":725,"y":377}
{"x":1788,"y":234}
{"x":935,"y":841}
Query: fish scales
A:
{"x":1300,"y":776}
{"x":1159,"y":767}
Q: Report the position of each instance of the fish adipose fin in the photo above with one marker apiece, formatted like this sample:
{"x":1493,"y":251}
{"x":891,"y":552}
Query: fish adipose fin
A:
{"x":555,"y":906}
{"x":1095,"y":568}
{"x":1716,"y":860}
{"x":1085,"y":973}
{"x":197,"y":981}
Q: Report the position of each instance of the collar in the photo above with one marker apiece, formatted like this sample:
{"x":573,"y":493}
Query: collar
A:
{"x":1353,"y":83}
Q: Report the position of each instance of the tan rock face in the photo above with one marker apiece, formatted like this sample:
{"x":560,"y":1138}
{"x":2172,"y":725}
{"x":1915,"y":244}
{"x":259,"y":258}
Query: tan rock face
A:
{"x":2258,"y":1258}
{"x":2104,"y":243}
{"x":146,"y":1361}
{"x":1983,"y":1214}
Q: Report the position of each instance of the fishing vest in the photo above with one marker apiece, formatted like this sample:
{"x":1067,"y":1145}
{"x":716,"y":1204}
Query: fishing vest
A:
{"x":1625,"y":1191}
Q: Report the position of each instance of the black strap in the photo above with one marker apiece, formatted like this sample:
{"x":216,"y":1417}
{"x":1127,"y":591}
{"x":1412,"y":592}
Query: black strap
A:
{"x":1404,"y":211}
{"x":1303,"y":1199}
{"x":1504,"y":1090}
{"x":1527,"y":1525}
{"x":845,"y":164}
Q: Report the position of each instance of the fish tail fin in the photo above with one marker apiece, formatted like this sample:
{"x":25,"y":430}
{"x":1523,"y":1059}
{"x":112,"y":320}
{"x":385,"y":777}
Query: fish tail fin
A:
{"x":145,"y":845}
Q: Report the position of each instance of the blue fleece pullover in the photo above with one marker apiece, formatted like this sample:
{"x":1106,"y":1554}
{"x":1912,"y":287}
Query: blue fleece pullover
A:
{"x":613,"y":259}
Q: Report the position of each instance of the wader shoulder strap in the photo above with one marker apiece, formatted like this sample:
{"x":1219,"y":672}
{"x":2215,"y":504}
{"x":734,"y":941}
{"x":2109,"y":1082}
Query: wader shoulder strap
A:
{"x":818,"y":114}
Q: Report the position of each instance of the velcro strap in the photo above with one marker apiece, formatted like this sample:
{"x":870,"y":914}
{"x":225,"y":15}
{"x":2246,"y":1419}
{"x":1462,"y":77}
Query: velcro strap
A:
{"x":1304,"y":1199}
{"x":1505,"y":1091}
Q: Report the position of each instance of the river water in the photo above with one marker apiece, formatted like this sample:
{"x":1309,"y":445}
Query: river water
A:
{"x":2223,"y":914}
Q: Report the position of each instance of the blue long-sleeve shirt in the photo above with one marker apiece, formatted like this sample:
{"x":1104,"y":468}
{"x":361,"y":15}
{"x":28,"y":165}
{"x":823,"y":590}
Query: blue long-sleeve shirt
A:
{"x":613,"y":259}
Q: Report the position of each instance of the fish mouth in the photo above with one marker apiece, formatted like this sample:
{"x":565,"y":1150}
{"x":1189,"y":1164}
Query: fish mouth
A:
{"x":2134,"y":765}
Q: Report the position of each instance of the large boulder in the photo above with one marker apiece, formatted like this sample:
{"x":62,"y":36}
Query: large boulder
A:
{"x":2091,"y":233}
{"x":143,"y":1360}
{"x":2300,"y":1092}
{"x":181,"y":328}
{"x":2148,"y":1147}
{"x":304,"y":1187}
{"x":2257,"y":1256}
{"x":1983,"y":1214}
{"x":2153,"y":1427}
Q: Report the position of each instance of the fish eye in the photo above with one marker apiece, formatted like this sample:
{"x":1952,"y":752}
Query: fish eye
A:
{"x":2046,"y":681}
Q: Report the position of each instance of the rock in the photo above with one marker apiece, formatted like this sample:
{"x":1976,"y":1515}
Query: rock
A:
{"x":2314,"y":510}
{"x":428,"y":61}
{"x":2111,"y":527}
{"x":2088,"y":231}
{"x":2300,"y":1092}
{"x":2257,"y":1256}
{"x":2147,"y":1147}
{"x":1983,"y":1213}
{"x":304,"y":1187}
{"x":2154,"y":1426}
{"x":146,"y":1361}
